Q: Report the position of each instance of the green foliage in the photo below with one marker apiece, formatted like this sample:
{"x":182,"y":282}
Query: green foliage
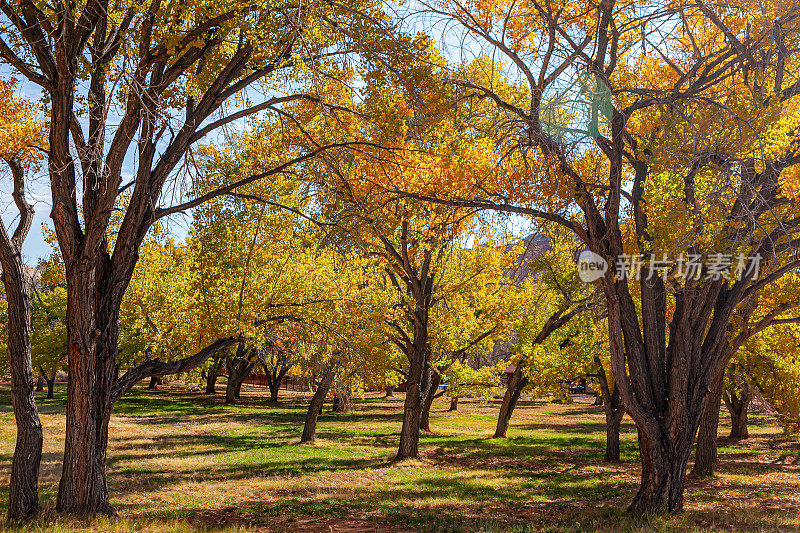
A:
{"x":49,"y":331}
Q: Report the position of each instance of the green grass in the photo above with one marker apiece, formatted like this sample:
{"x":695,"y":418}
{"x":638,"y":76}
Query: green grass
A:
{"x":183,"y":461}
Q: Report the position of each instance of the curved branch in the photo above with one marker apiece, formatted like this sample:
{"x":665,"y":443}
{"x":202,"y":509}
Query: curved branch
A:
{"x":156,"y":367}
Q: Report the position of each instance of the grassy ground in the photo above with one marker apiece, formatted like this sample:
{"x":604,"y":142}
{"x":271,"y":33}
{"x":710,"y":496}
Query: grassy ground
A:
{"x":183,"y":461}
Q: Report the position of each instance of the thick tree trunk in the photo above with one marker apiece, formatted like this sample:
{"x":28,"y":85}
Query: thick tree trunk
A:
{"x":155,"y":381}
{"x":517,"y":382}
{"x":425,"y":419}
{"x":737,"y":403}
{"x":315,"y":407}
{"x":705,"y":455}
{"x":664,"y":463}
{"x":40,"y":384}
{"x":409,"y":434}
{"x":93,"y":333}
{"x":389,"y":392}
{"x":230,"y":390}
{"x":23,"y":497}
{"x":453,"y":404}
{"x":233,"y":391}
{"x":51,"y":383}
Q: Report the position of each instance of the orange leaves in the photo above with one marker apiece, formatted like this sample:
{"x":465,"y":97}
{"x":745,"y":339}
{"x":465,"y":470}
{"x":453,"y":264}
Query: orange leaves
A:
{"x":22,"y":133}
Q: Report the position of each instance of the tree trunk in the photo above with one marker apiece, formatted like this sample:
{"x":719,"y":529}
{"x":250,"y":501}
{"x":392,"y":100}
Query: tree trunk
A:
{"x":737,"y":404}
{"x":409,"y":434}
{"x":40,"y":384}
{"x":93,"y":333}
{"x":425,"y":419}
{"x":233,"y":390}
{"x":51,"y":383}
{"x":517,"y":382}
{"x":412,"y":410}
{"x":664,"y":462}
{"x":23,"y":497}
{"x":212,"y":375}
{"x":453,"y":404}
{"x":315,"y":407}
{"x":389,"y":392}
{"x":613,"y":423}
{"x":342,"y":401}
{"x":154,"y":382}
{"x":239,"y":367}
{"x":230,"y":390}
{"x":614,"y":411}
{"x":705,"y":455}
{"x":274,"y":389}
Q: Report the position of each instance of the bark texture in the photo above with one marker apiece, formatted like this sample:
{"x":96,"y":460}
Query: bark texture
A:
{"x":239,"y":367}
{"x":23,"y":497}
{"x":705,"y":455}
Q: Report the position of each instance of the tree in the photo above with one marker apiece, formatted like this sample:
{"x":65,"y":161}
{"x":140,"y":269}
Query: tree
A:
{"x":346,"y":335}
{"x":177,"y":72}
{"x":277,"y":358}
{"x":633,"y":140}
{"x":476,"y":307}
{"x":405,"y":142}
{"x":768,"y":310}
{"x":21,"y":139}
{"x":542,"y":357}
{"x":737,"y":396}
{"x":238,"y":364}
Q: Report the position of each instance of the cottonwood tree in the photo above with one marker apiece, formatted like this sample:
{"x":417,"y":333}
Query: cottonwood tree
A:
{"x":22,"y":138}
{"x":476,"y":307}
{"x":144,"y":82}
{"x":416,"y":243}
{"x":349,"y":339}
{"x":678,"y":136}
{"x":554,"y":298}
{"x":771,"y":309}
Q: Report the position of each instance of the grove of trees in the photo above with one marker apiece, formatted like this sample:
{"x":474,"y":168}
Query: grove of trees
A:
{"x":352,"y":179}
